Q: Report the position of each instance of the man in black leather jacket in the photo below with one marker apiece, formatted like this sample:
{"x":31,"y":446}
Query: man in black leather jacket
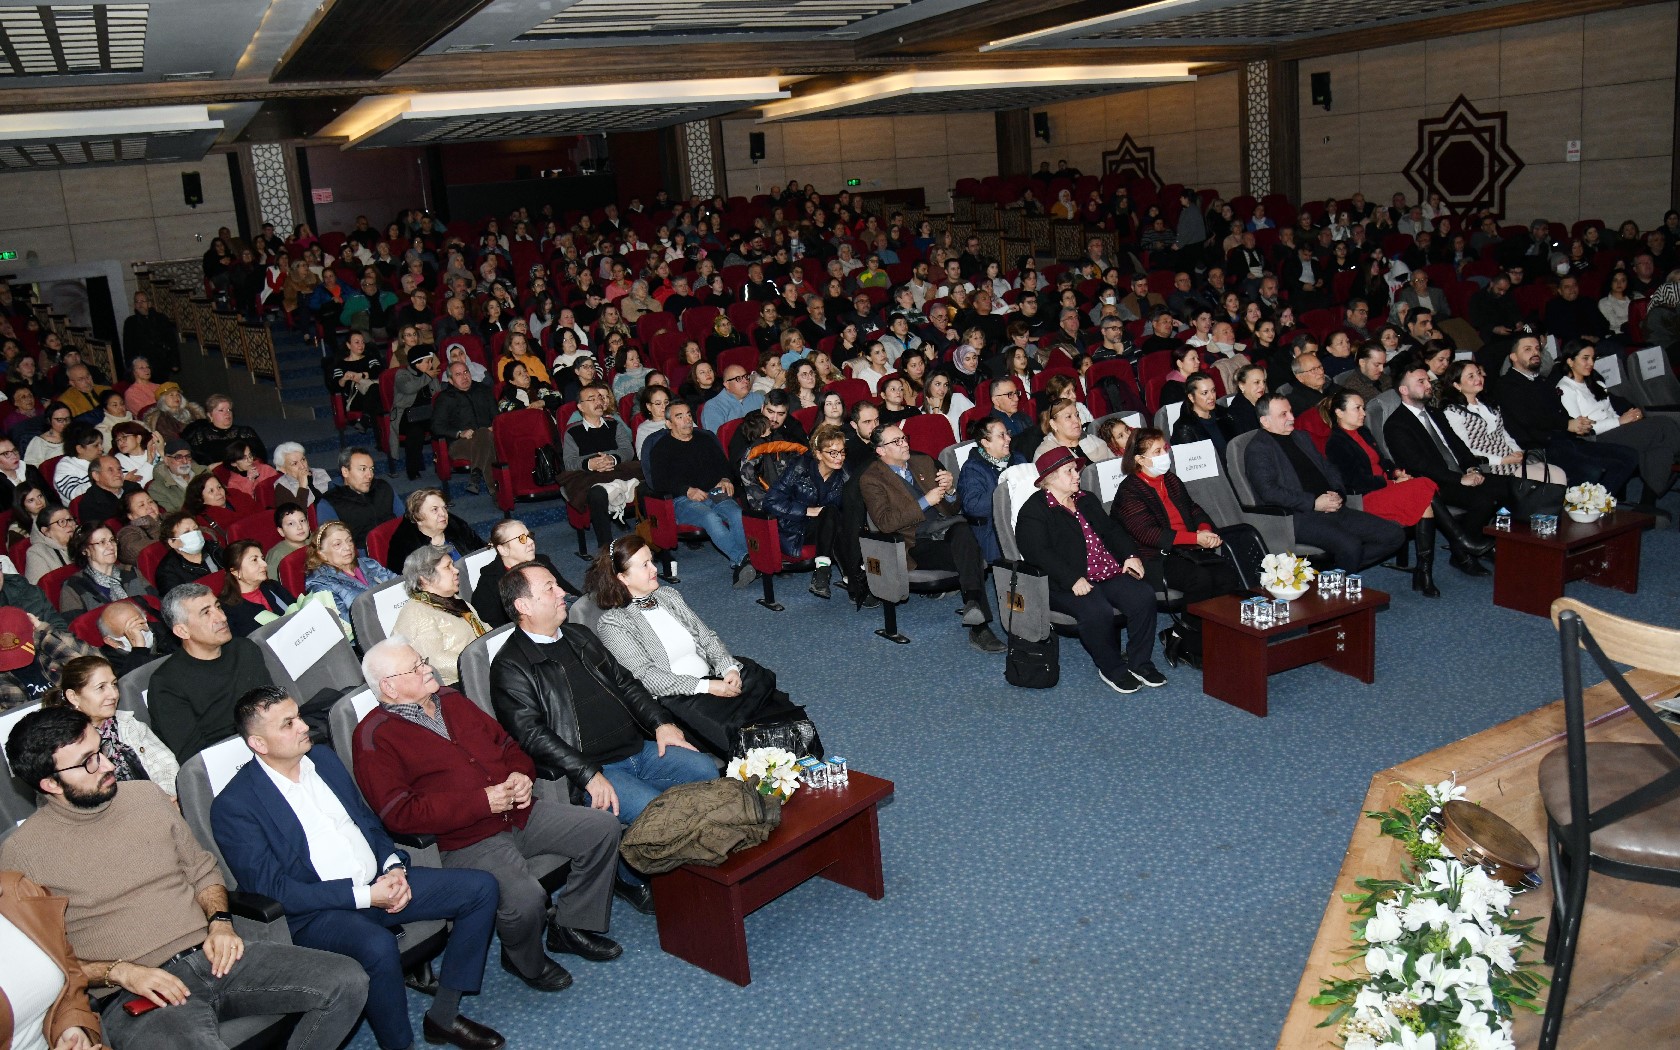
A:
{"x":580,"y":715}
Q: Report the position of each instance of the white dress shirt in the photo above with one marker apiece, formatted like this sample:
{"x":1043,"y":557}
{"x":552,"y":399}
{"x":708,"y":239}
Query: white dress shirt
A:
{"x":337,"y":847}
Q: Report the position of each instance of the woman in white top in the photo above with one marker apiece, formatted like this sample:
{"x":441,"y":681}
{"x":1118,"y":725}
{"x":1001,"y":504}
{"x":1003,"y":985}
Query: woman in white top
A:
{"x":674,"y":654}
{"x":1482,"y":427}
{"x":89,"y":684}
{"x":1656,"y":437}
{"x":1614,"y":305}
{"x":939,"y":399}
{"x":653,"y":400}
{"x":873,"y":367}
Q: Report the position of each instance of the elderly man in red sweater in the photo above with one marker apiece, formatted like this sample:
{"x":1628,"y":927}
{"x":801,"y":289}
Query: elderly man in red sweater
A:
{"x":430,"y":762}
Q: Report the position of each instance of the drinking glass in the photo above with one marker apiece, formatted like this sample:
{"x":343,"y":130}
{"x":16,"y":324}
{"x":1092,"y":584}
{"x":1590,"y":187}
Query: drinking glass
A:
{"x":1280,"y":611}
{"x":1353,"y":587}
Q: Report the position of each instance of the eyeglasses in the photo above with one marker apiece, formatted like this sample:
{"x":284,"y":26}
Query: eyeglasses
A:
{"x":839,"y":450}
{"x":521,"y":538}
{"x":55,"y":523}
{"x":896,"y":441}
{"x":89,"y":764}
{"x":416,"y":669}
{"x":1008,"y":393}
{"x":736,"y":379}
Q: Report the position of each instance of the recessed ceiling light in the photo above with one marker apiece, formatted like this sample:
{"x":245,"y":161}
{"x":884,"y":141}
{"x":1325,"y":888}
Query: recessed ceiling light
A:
{"x":463,"y":49}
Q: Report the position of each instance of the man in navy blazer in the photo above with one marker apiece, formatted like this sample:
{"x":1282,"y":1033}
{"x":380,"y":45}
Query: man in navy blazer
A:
{"x":292,"y":826}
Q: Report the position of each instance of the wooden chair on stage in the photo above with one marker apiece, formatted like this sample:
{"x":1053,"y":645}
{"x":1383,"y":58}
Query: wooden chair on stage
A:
{"x":1634,"y":833}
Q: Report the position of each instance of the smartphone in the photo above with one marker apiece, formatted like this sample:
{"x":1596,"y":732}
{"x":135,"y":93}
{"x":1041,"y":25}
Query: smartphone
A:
{"x":139,"y":1005}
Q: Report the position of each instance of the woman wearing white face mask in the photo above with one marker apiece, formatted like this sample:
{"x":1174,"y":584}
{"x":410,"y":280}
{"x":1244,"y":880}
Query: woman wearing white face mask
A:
{"x":192,"y":556}
{"x":89,"y":684}
{"x":1175,"y":538}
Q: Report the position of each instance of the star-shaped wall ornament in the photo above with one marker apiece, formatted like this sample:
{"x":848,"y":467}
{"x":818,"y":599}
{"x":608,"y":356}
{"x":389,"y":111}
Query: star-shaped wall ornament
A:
{"x":1465,"y":156}
{"x":1133,"y":161}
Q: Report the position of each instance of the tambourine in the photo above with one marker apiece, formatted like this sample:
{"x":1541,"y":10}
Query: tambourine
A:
{"x":1476,"y":836}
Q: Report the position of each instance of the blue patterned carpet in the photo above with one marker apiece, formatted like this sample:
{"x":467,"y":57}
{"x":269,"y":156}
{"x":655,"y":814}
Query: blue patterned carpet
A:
{"x":1067,"y":868}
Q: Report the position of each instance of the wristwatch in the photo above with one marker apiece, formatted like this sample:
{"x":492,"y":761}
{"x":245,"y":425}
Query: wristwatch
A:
{"x":221,"y":916}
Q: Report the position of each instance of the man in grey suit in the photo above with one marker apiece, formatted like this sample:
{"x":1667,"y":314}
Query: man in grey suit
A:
{"x":1287,"y":471}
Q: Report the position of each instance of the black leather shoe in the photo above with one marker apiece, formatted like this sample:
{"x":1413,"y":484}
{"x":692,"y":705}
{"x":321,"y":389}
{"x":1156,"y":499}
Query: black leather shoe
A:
{"x":1469,"y":565}
{"x":553,"y":978}
{"x":984,"y":640}
{"x":463,"y":1032}
{"x":591,"y":946}
{"x":638,"y":897}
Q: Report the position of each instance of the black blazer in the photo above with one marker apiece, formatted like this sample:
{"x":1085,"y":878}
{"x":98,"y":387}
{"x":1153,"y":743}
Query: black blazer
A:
{"x":1414,"y":450}
{"x":1050,"y":539}
{"x":1191,"y":427}
{"x":408,"y":538}
{"x":1242,"y":415}
{"x":1347,"y":457}
{"x":242,"y":615}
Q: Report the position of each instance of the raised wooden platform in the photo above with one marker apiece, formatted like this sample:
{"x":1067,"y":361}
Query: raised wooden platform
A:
{"x":1627,"y":969}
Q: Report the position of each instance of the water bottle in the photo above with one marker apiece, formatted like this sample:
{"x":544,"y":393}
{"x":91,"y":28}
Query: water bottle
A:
{"x":1502,"y":519}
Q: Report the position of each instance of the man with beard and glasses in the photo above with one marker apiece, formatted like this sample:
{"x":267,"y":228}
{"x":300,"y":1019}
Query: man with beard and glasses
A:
{"x":156,"y":926}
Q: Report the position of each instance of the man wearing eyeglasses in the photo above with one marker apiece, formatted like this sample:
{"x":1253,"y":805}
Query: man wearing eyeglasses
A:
{"x":14,"y":472}
{"x":907,"y":493}
{"x":733,"y":402}
{"x":1309,"y":384}
{"x":175,"y":472}
{"x":431,"y":762}
{"x":154,"y":923}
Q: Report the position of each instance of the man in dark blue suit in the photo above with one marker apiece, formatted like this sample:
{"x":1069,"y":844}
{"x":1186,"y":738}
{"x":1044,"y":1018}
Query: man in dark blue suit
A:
{"x":292,"y":826}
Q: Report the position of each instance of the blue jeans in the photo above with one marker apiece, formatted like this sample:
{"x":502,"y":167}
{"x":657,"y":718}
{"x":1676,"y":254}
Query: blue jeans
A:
{"x":720,"y":516}
{"x":640,"y":778}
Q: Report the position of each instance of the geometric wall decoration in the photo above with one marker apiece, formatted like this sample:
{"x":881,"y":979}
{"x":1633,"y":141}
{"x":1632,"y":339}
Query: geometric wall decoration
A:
{"x":274,"y":194}
{"x":1465,"y":156}
{"x":1257,"y":125}
{"x":697,"y":149}
{"x":1132,"y":161}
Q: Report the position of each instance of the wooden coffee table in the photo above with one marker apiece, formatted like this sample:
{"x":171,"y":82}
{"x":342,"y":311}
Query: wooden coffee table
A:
{"x":1237,"y":659}
{"x":1529,"y":571}
{"x":831,"y":832}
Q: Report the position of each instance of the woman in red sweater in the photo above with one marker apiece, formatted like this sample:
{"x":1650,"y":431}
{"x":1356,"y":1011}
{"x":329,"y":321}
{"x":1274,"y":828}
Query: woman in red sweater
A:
{"x":1175,"y":537}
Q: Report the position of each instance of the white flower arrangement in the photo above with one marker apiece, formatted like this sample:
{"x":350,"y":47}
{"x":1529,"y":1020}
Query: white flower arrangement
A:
{"x":771,"y":770}
{"x":1589,"y":497}
{"x":1442,"y":950}
{"x":1286,"y":571}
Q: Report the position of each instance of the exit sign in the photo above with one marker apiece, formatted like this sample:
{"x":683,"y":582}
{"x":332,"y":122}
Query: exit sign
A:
{"x":854,"y":182}
{"x":7,"y":255}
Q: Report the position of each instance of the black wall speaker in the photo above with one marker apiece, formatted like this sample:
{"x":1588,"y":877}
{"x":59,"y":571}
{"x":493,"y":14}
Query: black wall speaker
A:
{"x":755,"y":144}
{"x":1321,"y":90}
{"x":1041,"y":126}
{"x":192,"y":189}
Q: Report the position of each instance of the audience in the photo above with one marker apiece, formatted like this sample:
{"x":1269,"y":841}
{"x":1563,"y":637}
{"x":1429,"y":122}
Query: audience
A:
{"x":907,"y":493}
{"x":193,"y":693}
{"x":49,"y":542}
{"x":102,"y":578}
{"x":1654,"y":437}
{"x":437,"y":621}
{"x":291,"y":522}
{"x":674,"y":655}
{"x":292,"y":826}
{"x":127,"y":640}
{"x":362,"y":500}
{"x":1287,"y":470}
{"x":428,"y":522}
{"x":335,"y":568}
{"x":1176,"y":539}
{"x":89,"y":684}
{"x":514,"y":545}
{"x":249,"y":596}
{"x":688,"y":466}
{"x":581,"y":716}
{"x":1093,"y":570}
{"x":1537,"y":420}
{"x":805,"y":501}
{"x":153,"y":922}
{"x":192,"y":554}
{"x":601,"y":472}
{"x":168,"y":487}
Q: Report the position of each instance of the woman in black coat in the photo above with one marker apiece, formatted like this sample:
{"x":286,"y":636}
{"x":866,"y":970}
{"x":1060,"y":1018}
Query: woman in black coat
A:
{"x":427,"y":520}
{"x":1089,"y":583}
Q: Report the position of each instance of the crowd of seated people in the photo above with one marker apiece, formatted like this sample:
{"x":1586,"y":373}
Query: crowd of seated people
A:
{"x":671,"y":347}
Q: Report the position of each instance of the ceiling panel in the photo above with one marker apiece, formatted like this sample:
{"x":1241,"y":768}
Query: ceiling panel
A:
{"x":513,"y":25}
{"x":481,"y":116}
{"x":69,"y":40}
{"x":972,"y":90}
{"x":94,"y":138}
{"x":1221,"y":22}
